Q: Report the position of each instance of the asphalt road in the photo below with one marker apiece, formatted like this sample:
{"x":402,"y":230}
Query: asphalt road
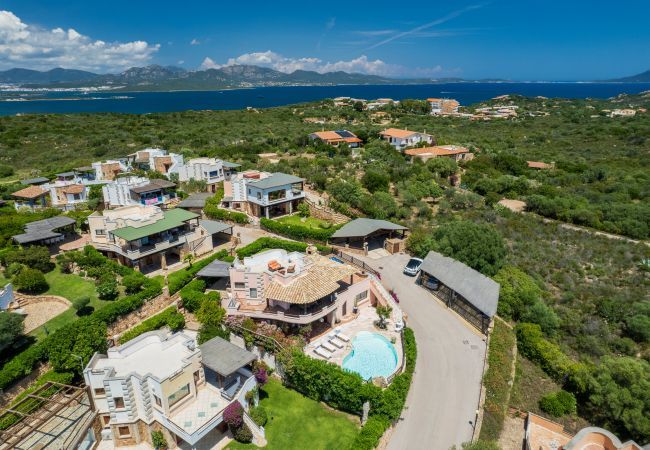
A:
{"x":441,"y":405}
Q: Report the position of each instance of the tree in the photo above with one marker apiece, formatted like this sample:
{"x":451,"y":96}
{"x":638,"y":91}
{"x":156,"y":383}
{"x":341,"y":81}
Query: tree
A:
{"x":31,"y":281}
{"x":82,"y":338}
{"x":479,"y":246}
{"x":210,"y":312}
{"x":133,"y":282}
{"x":303,"y":209}
{"x":558,"y":404}
{"x":442,"y":167}
{"x":619,"y":396}
{"x":107,"y":290}
{"x":543,"y":315}
{"x":11,"y":328}
{"x":35,"y":257}
{"x":518,"y":291}
{"x":384,"y":313}
{"x":375,"y":180}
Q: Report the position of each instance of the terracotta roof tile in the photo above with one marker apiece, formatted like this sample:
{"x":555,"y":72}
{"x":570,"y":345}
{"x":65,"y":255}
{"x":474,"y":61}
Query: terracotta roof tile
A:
{"x":30,"y":192}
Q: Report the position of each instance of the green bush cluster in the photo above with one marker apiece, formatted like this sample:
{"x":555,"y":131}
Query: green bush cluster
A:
{"x":213,"y":211}
{"x":259,"y":415}
{"x":533,"y":345}
{"x":558,"y":404}
{"x":169,"y":317}
{"x":266,"y":243}
{"x":371,"y":433}
{"x":181,"y":277}
{"x":34,"y":257}
{"x":31,"y":281}
{"x":300,"y":232}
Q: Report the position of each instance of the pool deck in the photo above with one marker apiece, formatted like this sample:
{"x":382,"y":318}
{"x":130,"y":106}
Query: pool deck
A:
{"x":363,"y":322}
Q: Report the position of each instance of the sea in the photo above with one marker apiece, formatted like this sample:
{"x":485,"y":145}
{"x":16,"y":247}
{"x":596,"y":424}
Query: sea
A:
{"x":66,"y":102}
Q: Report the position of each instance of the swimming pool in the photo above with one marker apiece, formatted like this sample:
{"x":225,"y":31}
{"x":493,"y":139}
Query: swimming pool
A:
{"x":372,"y":356}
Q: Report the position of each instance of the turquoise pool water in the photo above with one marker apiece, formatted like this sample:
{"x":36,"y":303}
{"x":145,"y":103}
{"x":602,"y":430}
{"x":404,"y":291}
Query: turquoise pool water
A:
{"x":372,"y":356}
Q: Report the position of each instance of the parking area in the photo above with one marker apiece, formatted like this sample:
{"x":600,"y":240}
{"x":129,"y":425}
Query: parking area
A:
{"x":441,"y":407}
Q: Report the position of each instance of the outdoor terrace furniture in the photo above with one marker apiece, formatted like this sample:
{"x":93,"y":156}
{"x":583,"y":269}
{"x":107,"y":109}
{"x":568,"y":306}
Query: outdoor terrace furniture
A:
{"x":335,"y":342}
{"x":329,"y":347}
{"x":342,"y":336}
{"x":322,"y":352}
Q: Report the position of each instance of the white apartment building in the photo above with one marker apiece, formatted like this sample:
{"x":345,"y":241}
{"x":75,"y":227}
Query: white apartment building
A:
{"x":156,"y":159}
{"x":109,"y":170}
{"x":162,"y":381}
{"x":210,"y":170}
{"x":118,"y":192}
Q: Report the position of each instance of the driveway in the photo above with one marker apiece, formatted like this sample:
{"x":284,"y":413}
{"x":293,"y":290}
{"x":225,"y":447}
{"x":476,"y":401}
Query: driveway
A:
{"x":441,"y":406}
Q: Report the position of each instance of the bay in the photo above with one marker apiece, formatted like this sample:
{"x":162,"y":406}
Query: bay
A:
{"x":265,"y":97}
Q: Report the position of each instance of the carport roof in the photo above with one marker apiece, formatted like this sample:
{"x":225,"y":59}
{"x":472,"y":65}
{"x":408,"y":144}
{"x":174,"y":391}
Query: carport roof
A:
{"x":364,"y":227}
{"x":476,"y":288}
{"x":223,"y":357}
{"x":195,"y":200}
{"x":214,"y":226}
{"x":216,"y":269}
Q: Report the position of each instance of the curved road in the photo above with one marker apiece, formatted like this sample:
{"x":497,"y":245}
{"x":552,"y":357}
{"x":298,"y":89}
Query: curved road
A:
{"x":441,"y":405}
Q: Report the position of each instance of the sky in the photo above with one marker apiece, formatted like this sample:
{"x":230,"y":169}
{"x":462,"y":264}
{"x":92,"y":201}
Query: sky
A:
{"x":506,"y":39}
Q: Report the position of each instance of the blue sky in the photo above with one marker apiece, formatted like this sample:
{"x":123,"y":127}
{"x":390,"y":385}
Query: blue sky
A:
{"x":525,"y":40}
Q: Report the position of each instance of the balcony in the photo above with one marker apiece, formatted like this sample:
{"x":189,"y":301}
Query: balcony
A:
{"x":295,"y":314}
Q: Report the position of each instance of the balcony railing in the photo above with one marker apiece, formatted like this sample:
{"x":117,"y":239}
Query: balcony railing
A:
{"x":287,"y":316}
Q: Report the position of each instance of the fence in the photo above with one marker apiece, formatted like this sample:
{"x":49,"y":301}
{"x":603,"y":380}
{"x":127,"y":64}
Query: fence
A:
{"x":357,"y":262}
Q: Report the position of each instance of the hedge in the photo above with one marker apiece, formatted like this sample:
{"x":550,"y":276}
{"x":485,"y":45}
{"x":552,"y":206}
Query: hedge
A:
{"x":212,"y":210}
{"x":370,"y":434}
{"x":266,"y":243}
{"x":299,"y":232}
{"x":181,"y":277}
{"x":169,"y":317}
{"x":497,"y":380}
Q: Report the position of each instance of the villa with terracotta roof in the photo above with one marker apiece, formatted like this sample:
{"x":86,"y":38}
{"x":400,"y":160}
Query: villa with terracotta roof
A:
{"x":298,"y":288}
{"x":443,"y":106}
{"x":157,"y":160}
{"x":109,"y":170}
{"x":334,"y":138}
{"x":543,"y":434}
{"x":455,"y":152}
{"x":401,"y":139}
{"x":32,"y":197}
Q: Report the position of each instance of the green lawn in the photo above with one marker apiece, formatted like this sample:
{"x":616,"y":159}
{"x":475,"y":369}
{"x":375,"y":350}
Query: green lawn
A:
{"x":310,"y":222}
{"x":297,"y":422}
{"x":71,"y":287}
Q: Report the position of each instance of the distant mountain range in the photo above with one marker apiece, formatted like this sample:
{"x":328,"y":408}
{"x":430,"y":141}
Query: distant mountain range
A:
{"x":638,"y":78}
{"x":168,"y":78}
{"x":159,"y":78}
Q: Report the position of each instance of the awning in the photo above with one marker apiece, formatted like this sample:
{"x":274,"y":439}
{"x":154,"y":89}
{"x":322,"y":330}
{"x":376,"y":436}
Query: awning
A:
{"x":214,"y":226}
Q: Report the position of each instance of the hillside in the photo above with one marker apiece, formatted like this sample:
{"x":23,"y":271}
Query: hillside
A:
{"x":638,"y":78}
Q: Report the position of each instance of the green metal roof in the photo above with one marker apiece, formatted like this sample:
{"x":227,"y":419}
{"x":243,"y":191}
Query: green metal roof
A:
{"x":171,"y":219}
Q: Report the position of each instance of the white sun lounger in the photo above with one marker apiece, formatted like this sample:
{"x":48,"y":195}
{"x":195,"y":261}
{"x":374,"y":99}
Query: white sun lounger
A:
{"x":329,"y":347}
{"x":336,"y":342}
{"x":342,"y":337}
{"x":322,"y":352}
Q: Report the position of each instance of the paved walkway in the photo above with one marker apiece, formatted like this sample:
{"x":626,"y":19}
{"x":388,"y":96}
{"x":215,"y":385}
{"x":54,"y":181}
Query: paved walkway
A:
{"x":441,"y":407}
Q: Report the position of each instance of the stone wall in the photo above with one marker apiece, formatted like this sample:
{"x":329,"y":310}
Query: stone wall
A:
{"x":325,"y":213}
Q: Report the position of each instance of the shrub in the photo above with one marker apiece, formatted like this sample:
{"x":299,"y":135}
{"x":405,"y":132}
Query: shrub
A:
{"x":80,"y":304}
{"x":233,"y":414}
{"x":371,"y":433}
{"x":243,"y":434}
{"x":169,"y":317}
{"x":181,"y":277}
{"x":259,"y":415}
{"x":213,"y":211}
{"x":107,"y":290}
{"x":158,"y":440}
{"x":261,"y":376}
{"x":31,"y":281}
{"x":133,"y":282}
{"x":558,"y":403}
{"x":303,"y":209}
{"x":35,"y":257}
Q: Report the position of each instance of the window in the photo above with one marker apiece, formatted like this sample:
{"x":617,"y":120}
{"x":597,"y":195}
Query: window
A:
{"x":106,"y":420}
{"x":100,"y":232}
{"x":178,"y":395}
{"x":253,"y":293}
{"x":119,"y":402}
{"x":100,"y":392}
{"x":259,"y":196}
{"x":361,"y":295}
{"x":124,"y":432}
{"x":277,"y":195}
{"x":240,"y":285}
{"x":76,"y":196}
{"x":157,"y":400}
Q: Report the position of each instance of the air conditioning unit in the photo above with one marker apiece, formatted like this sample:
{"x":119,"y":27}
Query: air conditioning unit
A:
{"x":107,"y":435}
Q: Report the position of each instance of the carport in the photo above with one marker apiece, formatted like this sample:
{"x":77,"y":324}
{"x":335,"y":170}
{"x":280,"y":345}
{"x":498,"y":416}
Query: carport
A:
{"x":218,"y":274}
{"x":367,"y":233}
{"x":468,"y":292}
{"x":221,"y":232}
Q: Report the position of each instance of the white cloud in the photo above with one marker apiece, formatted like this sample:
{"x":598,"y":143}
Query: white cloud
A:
{"x":38,"y":48}
{"x":195,"y":42}
{"x":361,"y":64}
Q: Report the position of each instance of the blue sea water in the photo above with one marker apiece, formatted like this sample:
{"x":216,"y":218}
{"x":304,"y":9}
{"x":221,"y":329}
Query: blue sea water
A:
{"x":149,"y":102}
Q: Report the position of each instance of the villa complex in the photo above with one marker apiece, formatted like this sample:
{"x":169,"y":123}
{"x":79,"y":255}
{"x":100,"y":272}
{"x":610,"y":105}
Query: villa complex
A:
{"x":401,"y":139}
{"x":443,"y":106}
{"x":334,"y":138}
{"x":455,"y":152}
{"x":210,"y":170}
{"x":157,"y":160}
{"x":263,"y":194}
{"x":168,"y":383}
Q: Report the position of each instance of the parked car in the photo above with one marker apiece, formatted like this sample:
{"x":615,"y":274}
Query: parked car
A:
{"x":431,"y":283}
{"x":413,"y":267}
